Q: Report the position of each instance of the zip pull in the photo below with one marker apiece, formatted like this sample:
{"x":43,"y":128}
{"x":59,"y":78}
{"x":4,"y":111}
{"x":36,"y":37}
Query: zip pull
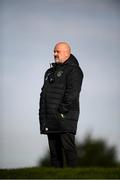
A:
{"x":62,"y":115}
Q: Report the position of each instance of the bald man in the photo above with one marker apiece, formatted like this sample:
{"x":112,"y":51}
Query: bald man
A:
{"x":59,"y":105}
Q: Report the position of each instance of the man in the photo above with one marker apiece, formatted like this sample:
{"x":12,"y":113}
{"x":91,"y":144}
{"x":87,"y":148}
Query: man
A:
{"x":59,"y":105}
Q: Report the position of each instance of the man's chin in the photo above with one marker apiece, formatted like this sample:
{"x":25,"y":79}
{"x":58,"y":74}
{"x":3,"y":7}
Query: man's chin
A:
{"x":57,"y":60}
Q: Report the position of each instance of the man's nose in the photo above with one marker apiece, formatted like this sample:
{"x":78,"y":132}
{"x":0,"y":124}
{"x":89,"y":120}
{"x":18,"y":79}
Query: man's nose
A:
{"x":55,"y":53}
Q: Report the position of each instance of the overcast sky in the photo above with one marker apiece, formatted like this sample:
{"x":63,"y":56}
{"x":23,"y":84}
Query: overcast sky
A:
{"x":29,"y":29}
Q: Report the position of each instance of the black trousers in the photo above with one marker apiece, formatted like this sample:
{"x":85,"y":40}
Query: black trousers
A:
{"x":59,"y":144}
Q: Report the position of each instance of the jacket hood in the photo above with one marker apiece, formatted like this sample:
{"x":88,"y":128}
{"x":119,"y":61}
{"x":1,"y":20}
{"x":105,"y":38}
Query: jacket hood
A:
{"x":71,"y":61}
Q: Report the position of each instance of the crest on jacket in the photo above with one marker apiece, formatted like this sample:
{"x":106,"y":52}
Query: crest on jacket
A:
{"x":59,"y":73}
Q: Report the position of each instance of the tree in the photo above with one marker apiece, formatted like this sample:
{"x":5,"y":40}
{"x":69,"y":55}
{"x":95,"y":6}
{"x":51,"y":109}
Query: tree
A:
{"x":91,"y":152}
{"x":96,"y":152}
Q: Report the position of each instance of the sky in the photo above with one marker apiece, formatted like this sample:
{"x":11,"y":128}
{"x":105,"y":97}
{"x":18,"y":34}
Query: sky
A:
{"x":29,"y":30}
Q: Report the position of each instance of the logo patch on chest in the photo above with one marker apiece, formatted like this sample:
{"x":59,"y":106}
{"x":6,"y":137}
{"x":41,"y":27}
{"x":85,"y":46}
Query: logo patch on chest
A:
{"x":59,"y":73}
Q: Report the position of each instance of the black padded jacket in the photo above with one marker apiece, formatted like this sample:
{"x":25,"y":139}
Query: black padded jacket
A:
{"x":59,"y":98}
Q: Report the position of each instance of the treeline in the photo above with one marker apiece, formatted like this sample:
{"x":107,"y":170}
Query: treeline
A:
{"x":91,"y":153}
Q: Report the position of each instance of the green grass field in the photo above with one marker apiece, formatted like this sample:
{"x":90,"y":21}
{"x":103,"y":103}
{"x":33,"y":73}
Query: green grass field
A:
{"x":66,"y":173}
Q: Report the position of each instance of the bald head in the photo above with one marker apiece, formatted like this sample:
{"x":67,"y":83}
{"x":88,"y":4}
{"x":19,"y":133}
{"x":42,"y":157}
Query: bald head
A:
{"x":62,"y":52}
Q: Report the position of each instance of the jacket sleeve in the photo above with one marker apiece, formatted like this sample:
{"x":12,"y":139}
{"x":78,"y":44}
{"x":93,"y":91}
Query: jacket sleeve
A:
{"x":42,"y":107}
{"x":73,"y":88}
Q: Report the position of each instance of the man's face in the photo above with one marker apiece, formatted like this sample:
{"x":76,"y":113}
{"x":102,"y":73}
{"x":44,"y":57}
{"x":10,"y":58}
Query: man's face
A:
{"x":61,"y":53}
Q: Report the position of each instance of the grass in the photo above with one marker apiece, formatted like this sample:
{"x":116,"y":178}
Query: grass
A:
{"x":66,"y":173}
